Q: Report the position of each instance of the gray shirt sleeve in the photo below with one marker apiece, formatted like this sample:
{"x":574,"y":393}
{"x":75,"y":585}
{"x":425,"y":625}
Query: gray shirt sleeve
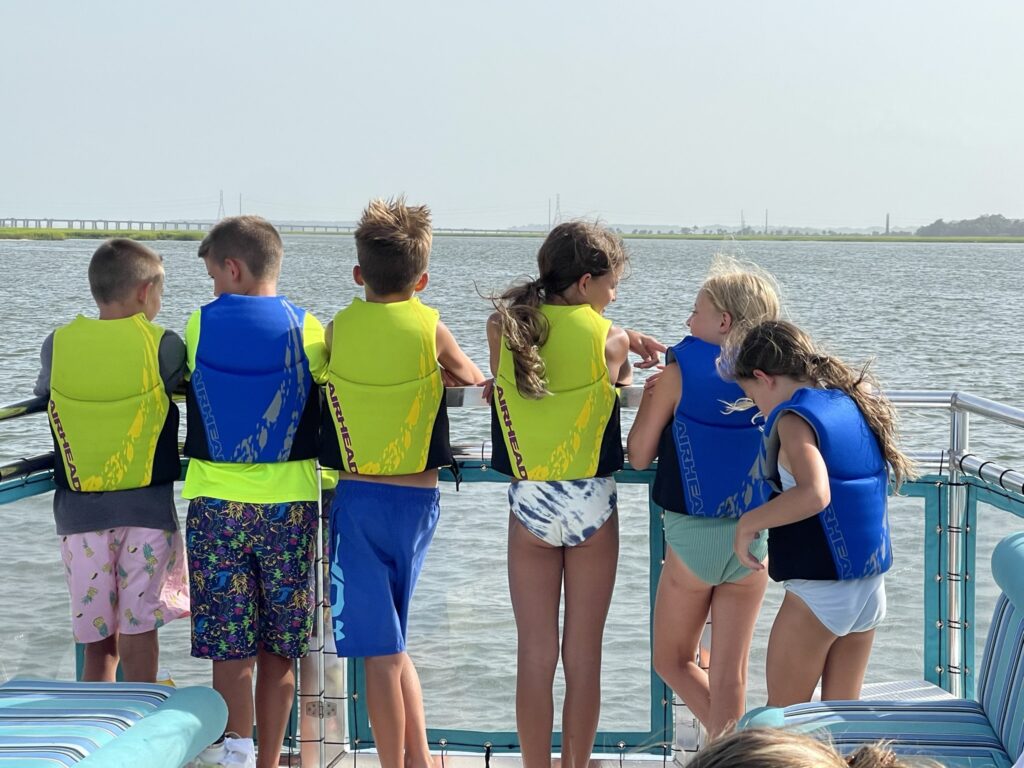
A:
{"x":172,"y":360}
{"x":42,"y":387}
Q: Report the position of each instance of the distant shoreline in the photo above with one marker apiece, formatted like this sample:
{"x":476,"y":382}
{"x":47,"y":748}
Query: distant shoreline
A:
{"x":148,"y":235}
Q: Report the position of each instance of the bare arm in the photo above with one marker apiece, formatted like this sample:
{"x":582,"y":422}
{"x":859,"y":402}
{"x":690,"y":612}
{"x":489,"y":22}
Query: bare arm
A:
{"x":647,"y":347}
{"x":807,"y":498}
{"x":616,"y":353}
{"x":457,"y":365}
{"x":656,"y":409}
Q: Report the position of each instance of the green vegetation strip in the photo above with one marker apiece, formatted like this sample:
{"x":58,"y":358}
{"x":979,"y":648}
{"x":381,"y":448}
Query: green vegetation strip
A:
{"x":98,"y":234}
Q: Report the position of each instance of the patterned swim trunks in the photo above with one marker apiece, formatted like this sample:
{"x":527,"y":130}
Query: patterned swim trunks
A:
{"x":251,"y":570}
{"x":129,"y":580}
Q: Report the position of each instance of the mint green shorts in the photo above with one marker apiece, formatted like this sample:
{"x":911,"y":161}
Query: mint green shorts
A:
{"x":704,"y":544}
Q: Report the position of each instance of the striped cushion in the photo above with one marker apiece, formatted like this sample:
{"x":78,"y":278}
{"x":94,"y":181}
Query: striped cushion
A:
{"x":954,"y":731}
{"x":105,"y":725}
{"x":53,"y":723}
{"x":1001,"y":677}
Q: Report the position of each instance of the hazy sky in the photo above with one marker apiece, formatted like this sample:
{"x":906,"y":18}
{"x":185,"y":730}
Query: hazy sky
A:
{"x":672,"y":112}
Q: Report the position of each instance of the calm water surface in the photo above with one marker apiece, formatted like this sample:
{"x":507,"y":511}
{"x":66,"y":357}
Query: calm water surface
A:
{"x":942,"y":316}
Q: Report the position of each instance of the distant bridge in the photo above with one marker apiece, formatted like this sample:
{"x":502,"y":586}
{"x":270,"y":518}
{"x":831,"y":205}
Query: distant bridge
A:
{"x":168,"y":225}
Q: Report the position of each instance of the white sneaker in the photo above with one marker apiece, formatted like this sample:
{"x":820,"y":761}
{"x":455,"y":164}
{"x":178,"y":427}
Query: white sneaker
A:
{"x":232,"y":751}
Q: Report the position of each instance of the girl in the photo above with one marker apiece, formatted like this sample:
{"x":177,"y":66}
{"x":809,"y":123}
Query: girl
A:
{"x":555,"y":431}
{"x":706,"y":479}
{"x":830,"y":441}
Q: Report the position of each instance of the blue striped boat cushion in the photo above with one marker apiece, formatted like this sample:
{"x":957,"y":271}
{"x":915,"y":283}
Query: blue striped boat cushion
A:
{"x":1001,"y":679}
{"x":55,"y":723}
{"x":954,"y":731}
{"x":47,"y":723}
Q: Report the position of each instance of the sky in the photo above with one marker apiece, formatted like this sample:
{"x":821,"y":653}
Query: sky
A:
{"x":825,"y":114}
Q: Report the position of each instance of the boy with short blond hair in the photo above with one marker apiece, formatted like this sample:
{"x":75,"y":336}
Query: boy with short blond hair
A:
{"x":386,"y":429}
{"x":115,"y":431}
{"x":254,"y":361}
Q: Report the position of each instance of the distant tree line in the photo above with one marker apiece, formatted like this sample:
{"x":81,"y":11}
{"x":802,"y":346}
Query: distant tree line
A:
{"x":993,"y":225}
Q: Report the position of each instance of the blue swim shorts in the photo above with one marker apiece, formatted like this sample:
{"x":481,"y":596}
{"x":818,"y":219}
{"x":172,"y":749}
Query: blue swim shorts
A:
{"x":380,"y":534}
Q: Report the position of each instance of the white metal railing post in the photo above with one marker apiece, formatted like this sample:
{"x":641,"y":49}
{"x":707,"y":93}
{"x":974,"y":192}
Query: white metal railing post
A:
{"x":956,"y":521}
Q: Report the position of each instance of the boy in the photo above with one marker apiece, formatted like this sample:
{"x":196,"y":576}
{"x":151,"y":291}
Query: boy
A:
{"x":254,"y":360}
{"x":386,"y":428}
{"x":115,"y":436}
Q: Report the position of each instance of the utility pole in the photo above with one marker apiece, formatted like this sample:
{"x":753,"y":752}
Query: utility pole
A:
{"x":766,"y":221}
{"x":887,"y":223}
{"x":743,"y":221}
{"x":558,"y":208}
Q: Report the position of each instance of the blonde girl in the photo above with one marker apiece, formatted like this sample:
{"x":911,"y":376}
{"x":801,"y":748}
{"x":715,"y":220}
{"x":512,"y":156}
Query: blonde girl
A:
{"x":555,"y":431}
{"x":782,"y":748}
{"x":830,"y":442}
{"x":706,"y":479}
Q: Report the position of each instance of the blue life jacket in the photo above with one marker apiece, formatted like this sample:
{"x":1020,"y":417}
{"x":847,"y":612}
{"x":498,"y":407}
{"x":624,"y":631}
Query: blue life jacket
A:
{"x":849,"y":539}
{"x":716,"y":453}
{"x":251,"y":395}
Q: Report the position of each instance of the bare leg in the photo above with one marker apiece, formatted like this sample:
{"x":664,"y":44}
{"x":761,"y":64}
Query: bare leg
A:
{"x":417,"y":750}
{"x":734,"y":609}
{"x":845,"y":666}
{"x":535,"y":584}
{"x":385,"y":706}
{"x":680,"y":613}
{"x":101,"y":661}
{"x":275,"y":689}
{"x":797,"y":649}
{"x":589,"y":580}
{"x":139,"y":656}
{"x":233,"y":680}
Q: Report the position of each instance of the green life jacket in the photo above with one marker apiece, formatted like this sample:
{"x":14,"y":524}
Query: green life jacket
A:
{"x":114,"y":427}
{"x":385,"y":397}
{"x":574,"y":432}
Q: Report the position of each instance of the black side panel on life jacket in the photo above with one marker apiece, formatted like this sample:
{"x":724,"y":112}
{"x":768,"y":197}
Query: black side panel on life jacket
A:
{"x":668,"y":479}
{"x":800,"y":551}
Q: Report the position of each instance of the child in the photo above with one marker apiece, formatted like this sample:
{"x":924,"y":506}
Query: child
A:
{"x":115,"y":433}
{"x":706,"y":479}
{"x":253,"y":418}
{"x":386,"y":429}
{"x":782,"y":748}
{"x":555,"y":431}
{"x":830,"y":441}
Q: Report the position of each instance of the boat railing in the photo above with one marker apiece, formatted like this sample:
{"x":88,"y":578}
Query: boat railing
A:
{"x":953,"y":480}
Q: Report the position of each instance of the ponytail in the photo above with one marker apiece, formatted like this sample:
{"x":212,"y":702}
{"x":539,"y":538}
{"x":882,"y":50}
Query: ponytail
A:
{"x":524,"y":329}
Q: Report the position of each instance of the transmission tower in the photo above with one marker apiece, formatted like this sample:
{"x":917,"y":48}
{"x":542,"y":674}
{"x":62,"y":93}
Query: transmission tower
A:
{"x":220,"y":208}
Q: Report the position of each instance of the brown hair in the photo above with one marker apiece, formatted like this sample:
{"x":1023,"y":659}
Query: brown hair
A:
{"x":393,"y":244}
{"x":251,"y":240}
{"x":119,"y":266}
{"x":748,"y":293}
{"x":570,"y":251}
{"x":780,"y":348}
{"x":785,"y":748}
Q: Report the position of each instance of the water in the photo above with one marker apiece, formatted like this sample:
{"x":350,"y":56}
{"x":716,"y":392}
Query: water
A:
{"x":935,"y":316}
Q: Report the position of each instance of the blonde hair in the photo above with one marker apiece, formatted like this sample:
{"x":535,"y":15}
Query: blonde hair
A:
{"x":785,"y":748}
{"x":748,"y":293}
{"x":570,"y":251}
{"x":779,"y":348}
{"x":251,"y":240}
{"x":393,"y":244}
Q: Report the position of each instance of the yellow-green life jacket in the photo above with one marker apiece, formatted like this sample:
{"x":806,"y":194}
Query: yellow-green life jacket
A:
{"x":108,"y":407}
{"x":573,"y":432}
{"x":384,"y":393}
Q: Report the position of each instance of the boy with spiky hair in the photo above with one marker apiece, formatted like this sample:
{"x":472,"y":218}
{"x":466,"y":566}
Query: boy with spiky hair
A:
{"x":386,"y":429}
{"x":254,"y":362}
{"x":115,"y":433}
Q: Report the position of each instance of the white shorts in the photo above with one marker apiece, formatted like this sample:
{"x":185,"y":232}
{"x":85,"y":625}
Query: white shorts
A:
{"x":563,"y":513}
{"x":843,"y":607}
